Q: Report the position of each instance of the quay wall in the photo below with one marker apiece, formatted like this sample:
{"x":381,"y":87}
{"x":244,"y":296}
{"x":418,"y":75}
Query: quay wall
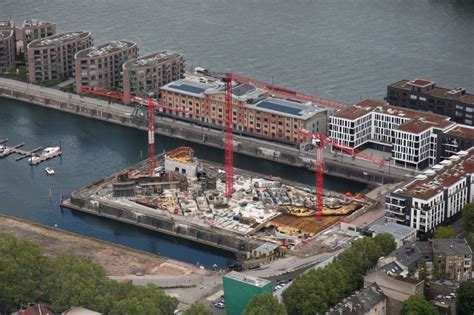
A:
{"x":262,"y":149}
{"x":210,"y":235}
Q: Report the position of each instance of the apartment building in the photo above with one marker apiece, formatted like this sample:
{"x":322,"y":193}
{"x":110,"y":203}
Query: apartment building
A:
{"x":420,"y":94}
{"x":52,"y":58}
{"x":436,"y":196}
{"x":411,"y":136}
{"x":452,"y":259}
{"x":146,"y":75}
{"x":457,"y":138}
{"x":253,"y":113}
{"x":7,"y":45}
{"x":101,"y":66}
{"x":33,"y":30}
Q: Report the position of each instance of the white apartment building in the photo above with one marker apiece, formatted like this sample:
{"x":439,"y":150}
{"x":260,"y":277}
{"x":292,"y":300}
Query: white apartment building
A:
{"x":435,"y":196}
{"x":410,"y":136}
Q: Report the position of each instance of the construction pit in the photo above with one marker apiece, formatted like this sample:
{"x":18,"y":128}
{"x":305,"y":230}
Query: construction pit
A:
{"x":186,"y":197}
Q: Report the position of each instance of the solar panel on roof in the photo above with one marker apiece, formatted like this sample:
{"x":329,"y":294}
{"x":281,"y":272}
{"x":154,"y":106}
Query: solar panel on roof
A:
{"x":242,"y":89}
{"x":188,"y":88}
{"x":279,"y":108}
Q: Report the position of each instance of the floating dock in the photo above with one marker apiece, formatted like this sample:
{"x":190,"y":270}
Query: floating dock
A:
{"x":34,"y":157}
{"x":185,"y":197}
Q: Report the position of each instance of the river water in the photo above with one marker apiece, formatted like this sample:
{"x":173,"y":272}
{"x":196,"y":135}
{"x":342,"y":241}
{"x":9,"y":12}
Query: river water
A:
{"x":339,"y":49}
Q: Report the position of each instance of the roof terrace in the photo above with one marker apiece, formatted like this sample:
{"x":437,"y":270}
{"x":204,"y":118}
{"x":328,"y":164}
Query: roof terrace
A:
{"x":58,"y":39}
{"x":104,"y":49}
{"x":440,"y":176}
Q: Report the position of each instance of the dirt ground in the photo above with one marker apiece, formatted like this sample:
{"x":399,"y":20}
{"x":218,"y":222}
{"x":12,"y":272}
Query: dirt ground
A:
{"x":116,"y":260}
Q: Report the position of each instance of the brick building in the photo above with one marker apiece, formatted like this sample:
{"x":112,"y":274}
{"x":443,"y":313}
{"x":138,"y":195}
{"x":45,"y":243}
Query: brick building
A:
{"x":424,"y":95}
{"x":101,"y":66}
{"x":149,"y":73}
{"x":52,"y":58}
{"x":33,"y":30}
{"x":7,"y":45}
{"x":452,"y":259}
{"x":254,"y":112}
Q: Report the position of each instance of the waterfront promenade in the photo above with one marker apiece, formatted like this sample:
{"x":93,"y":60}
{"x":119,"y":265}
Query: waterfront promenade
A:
{"x":340,"y":165}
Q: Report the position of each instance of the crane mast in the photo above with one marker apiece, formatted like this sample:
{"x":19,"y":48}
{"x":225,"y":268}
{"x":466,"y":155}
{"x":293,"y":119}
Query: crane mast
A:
{"x":229,"y":146}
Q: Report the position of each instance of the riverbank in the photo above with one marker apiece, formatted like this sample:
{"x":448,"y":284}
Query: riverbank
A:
{"x":340,"y":165}
{"x":118,"y":261}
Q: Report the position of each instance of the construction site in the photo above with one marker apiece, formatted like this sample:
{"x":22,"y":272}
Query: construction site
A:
{"x":186,"y":197}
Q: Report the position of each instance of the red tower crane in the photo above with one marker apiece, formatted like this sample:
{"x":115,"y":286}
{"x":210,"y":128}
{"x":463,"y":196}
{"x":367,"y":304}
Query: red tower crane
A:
{"x":320,"y":141}
{"x":288,"y":93}
{"x":151,"y":104}
{"x":229,"y":145}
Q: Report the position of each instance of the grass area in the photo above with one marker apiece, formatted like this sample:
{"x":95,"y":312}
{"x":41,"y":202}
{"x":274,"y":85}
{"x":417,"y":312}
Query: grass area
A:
{"x":19,"y":73}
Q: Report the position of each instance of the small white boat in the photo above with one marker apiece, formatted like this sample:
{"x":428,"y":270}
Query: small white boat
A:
{"x":49,"y":171}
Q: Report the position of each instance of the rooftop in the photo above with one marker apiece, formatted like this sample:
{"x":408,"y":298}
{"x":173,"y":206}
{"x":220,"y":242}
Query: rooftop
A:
{"x":189,"y":87}
{"x":421,"y":82}
{"x":152,"y":59}
{"x":258,"y":282}
{"x":105,"y":49}
{"x":361,"y":302}
{"x":35,"y":23}
{"x":462,"y":131}
{"x":286,"y":108}
{"x":240,"y":91}
{"x":59,"y":39}
{"x":6,"y":29}
{"x":415,"y":121}
{"x":456,"y":93}
{"x":451,"y":247}
{"x":409,"y":255}
{"x":36,"y":309}
{"x":440,"y":176}
{"x":6,"y":24}
{"x":398,"y":231}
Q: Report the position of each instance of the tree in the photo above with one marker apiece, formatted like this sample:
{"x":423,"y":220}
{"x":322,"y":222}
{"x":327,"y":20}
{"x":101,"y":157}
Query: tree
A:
{"x":264,"y":304}
{"x":197,"y":309}
{"x":22,"y":269}
{"x":465,"y":301}
{"x":444,"y":232}
{"x":319,"y":289}
{"x":468,"y":217}
{"x":386,"y":242}
{"x":470,"y":240}
{"x":148,"y":300}
{"x":418,"y":305}
{"x":423,"y":275}
{"x":75,"y":281}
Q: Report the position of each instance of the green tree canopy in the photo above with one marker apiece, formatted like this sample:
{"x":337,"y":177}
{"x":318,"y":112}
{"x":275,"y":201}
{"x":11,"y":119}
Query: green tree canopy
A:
{"x":26,"y":275}
{"x":264,"y":304}
{"x":444,"y":232}
{"x":22,"y":269}
{"x":470,"y":240}
{"x":319,"y":289}
{"x":468,"y":217}
{"x":148,"y":300}
{"x":386,"y":242}
{"x":465,"y":301}
{"x":75,"y":281}
{"x":418,"y":305}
